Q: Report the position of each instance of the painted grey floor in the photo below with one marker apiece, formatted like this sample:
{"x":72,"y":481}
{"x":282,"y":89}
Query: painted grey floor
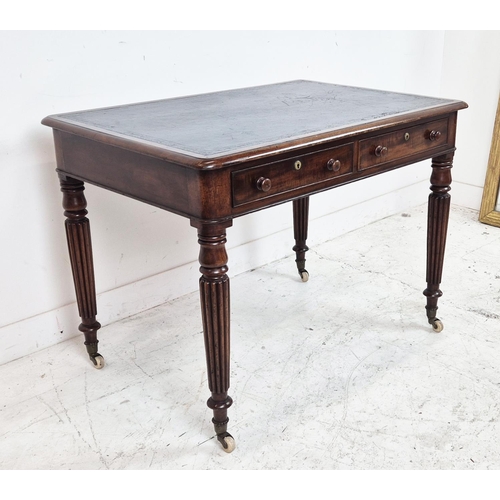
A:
{"x":341,"y":372}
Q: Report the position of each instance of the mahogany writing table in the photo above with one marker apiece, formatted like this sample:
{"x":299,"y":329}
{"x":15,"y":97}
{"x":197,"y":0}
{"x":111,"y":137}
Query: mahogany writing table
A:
{"x":214,"y":157}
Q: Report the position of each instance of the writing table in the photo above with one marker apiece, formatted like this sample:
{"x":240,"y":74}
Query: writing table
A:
{"x":217,"y":156}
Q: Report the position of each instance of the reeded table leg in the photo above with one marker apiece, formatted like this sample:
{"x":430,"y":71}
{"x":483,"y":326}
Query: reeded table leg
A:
{"x":80,"y":253}
{"x":300,"y":222}
{"x":214,"y":295}
{"x":438,"y":212}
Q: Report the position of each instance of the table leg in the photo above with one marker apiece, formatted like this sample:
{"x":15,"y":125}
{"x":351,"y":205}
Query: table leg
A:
{"x":300,"y":223}
{"x":214,"y":295}
{"x":80,"y":253}
{"x":438,"y":212}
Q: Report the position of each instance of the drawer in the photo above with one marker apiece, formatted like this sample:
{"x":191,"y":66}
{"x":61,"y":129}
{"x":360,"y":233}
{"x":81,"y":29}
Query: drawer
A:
{"x":402,"y":143}
{"x":269,"y":180}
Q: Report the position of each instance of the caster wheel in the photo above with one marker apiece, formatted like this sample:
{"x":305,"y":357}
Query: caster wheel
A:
{"x":227,"y":442}
{"x":304,"y":275}
{"x":437,"y":325}
{"x":97,"y":360}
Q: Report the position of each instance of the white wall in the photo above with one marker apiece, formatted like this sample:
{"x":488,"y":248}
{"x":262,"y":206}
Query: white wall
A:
{"x":144,"y":256}
{"x":471,"y":72}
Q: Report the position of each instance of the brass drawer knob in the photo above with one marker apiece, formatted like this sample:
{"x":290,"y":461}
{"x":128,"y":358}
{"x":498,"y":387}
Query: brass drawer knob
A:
{"x":333,"y":165}
{"x":380,"y":151}
{"x":434,"y":135}
{"x":264,"y":184}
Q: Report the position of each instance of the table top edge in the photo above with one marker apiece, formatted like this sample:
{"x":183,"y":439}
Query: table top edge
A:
{"x":266,"y":150}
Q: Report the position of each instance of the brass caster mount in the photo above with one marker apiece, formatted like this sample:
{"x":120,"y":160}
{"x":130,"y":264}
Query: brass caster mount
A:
{"x":436,"y":323}
{"x":94,"y":356}
{"x":227,"y":442}
{"x":224,"y":438}
{"x":97,"y":361}
{"x":304,"y":275}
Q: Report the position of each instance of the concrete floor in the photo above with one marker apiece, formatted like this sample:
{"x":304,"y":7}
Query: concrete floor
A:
{"x":341,"y":372}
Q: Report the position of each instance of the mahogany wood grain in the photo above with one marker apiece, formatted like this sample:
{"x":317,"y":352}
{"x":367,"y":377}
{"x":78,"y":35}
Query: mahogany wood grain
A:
{"x":300,"y":223}
{"x":437,"y":226}
{"x":80,"y":253}
{"x":215,"y":309}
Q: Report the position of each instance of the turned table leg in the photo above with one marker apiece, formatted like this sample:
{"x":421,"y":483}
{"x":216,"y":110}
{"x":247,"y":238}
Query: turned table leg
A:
{"x":80,"y":253}
{"x":437,"y":226}
{"x":300,"y":222}
{"x":214,"y":295}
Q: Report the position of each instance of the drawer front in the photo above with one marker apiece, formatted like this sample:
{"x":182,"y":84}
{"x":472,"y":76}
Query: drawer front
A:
{"x":265,"y":181}
{"x":402,"y":143}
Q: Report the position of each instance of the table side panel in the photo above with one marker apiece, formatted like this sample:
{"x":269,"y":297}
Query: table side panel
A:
{"x":175,"y":188}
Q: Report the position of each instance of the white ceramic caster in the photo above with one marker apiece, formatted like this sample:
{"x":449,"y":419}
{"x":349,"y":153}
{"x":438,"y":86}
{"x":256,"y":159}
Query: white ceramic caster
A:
{"x":227,"y":442}
{"x":98,"y":361}
{"x":437,"y":325}
{"x":304,"y":275}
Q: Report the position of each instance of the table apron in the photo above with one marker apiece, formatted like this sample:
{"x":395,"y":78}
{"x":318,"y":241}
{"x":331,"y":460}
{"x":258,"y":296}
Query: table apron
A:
{"x":225,"y":193}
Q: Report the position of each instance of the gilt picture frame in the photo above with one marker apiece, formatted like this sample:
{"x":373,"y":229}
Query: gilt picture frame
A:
{"x":490,"y":203}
